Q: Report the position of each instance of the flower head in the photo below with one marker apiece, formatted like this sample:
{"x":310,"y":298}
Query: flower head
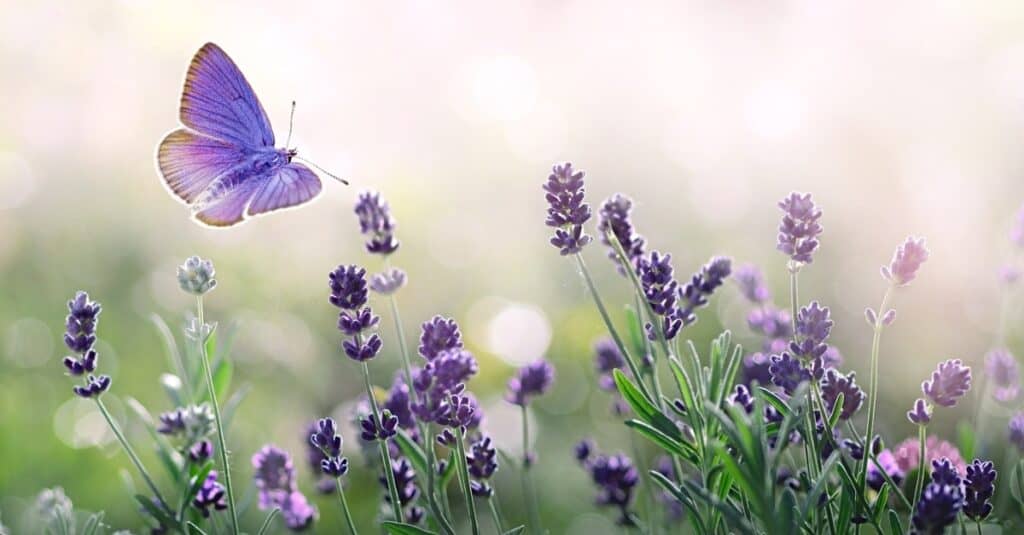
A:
{"x":813,"y":326}
{"x":372,"y":430}
{"x":375,"y":221}
{"x":751,"y":282}
{"x":702,"y":284}
{"x":482,"y":460}
{"x":193,"y":423}
{"x":1016,"y":430}
{"x":660,"y":289}
{"x":200,"y":451}
{"x":197,"y":276}
{"x":566,"y":210}
{"x":834,"y":384}
{"x":388,"y":282}
{"x":979,"y":485}
{"x":349,"y":293}
{"x":787,"y":372}
{"x":439,"y":334}
{"x":607,"y":358}
{"x":616,"y":479}
{"x":274,"y":475}
{"x":614,"y":221}
{"x":296,"y":511}
{"x":937,"y":508}
{"x":210,"y":496}
{"x":906,"y":454}
{"x":799,"y":229}
{"x":921,"y":413}
{"x":405,"y":482}
{"x":348,"y":287}
{"x":397,"y":402}
{"x":439,"y":380}
{"x":327,"y":439}
{"x":1003,"y":372}
{"x":905,"y":262}
{"x":949,"y":382}
{"x":741,"y":397}
{"x":531,"y":380}
{"x":83,"y":317}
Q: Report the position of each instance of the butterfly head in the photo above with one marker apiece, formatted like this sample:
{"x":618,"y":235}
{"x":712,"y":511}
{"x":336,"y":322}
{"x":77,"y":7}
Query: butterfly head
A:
{"x":290,"y":153}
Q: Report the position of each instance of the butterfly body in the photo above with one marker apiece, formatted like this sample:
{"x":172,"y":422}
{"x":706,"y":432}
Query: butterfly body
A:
{"x":223,"y":163}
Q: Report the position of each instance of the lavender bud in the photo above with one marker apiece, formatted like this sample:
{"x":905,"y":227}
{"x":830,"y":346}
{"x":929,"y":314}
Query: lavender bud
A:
{"x":889,"y":317}
{"x":921,"y":414}
{"x":905,"y":262}
{"x":200,"y":451}
{"x":1016,"y":430}
{"x":799,"y":229}
{"x":439,"y":334}
{"x":937,"y":508}
{"x":210,"y":496}
{"x":566,"y":210}
{"x":273,"y":474}
{"x":388,"y":282}
{"x":869,"y":314}
{"x":81,"y":322}
{"x":614,"y":221}
{"x":1004,"y":374}
{"x":787,"y":372}
{"x":531,"y":380}
{"x":752,"y":285}
{"x":949,"y":382}
{"x":835,"y":383}
{"x":372,"y":431}
{"x":979,"y":486}
{"x":375,"y":221}
{"x":196,"y":276}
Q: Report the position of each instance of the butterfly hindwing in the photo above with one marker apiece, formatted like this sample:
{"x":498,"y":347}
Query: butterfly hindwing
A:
{"x":190,"y":162}
{"x":293,"y":184}
{"x":218,"y":101}
{"x":230,"y":208}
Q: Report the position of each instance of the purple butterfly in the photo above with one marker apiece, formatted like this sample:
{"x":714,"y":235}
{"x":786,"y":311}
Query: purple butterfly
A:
{"x":223,"y":163}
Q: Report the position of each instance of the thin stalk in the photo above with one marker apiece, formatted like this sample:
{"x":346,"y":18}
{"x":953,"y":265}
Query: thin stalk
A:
{"x":385,"y":458}
{"x":873,"y":388}
{"x":432,"y":481}
{"x":922,"y":435}
{"x":222,"y":443}
{"x":460,"y":448}
{"x":633,"y":368}
{"x":131,"y":454}
{"x":344,"y":507}
{"x":528,"y":492}
{"x":266,"y":523}
{"x":400,"y":332}
{"x":495,"y":515}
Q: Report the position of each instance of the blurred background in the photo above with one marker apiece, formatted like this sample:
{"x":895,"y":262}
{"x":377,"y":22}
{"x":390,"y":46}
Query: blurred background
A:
{"x":902,"y":119}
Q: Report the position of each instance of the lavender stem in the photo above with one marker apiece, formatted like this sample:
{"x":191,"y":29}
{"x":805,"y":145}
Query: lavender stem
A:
{"x":344,"y":507}
{"x":460,"y":449}
{"x":385,"y":459}
{"x":116,"y":429}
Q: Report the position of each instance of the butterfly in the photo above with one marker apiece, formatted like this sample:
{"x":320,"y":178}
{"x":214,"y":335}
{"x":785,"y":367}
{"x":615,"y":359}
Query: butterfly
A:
{"x":222,"y":162}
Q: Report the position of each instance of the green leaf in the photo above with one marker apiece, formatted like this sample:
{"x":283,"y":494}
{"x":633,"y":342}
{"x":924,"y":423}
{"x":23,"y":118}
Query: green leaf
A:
{"x":669,"y":486}
{"x":685,"y":386}
{"x":667,"y":443}
{"x":222,"y":378}
{"x":449,"y":469}
{"x":811,"y":500}
{"x":775,"y":401}
{"x":228,"y":410}
{"x":785,"y":518}
{"x":269,"y":519}
{"x":412,"y":451}
{"x":894,"y":523}
{"x":169,"y":457}
{"x":837,"y":410}
{"x":399,"y":528}
{"x":93,"y":523}
{"x":196,"y":481}
{"x":515,"y":531}
{"x":193,"y":528}
{"x":965,"y":439}
{"x":1017,"y":482}
{"x":155,"y":511}
{"x":174,"y":359}
{"x":731,"y":513}
{"x":635,"y":329}
{"x":881,"y":504}
{"x":644,"y":408}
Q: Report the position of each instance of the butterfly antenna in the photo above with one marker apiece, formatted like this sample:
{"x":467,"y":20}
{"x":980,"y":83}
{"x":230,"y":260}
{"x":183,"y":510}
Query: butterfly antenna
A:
{"x":324,"y":171}
{"x":291,"y":122}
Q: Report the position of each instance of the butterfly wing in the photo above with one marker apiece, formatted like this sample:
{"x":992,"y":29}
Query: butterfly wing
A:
{"x":219,"y":102}
{"x":190,"y":162}
{"x":229,"y":208}
{"x":292,"y":185}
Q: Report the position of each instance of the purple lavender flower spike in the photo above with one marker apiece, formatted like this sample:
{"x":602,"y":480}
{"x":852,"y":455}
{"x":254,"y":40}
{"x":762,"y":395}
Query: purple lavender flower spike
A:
{"x":439,"y":380}
{"x":944,"y":472}
{"x":388,"y":282}
{"x":787,"y":372}
{"x":375,"y":221}
{"x":583,"y":449}
{"x":614,"y":220}
{"x":799,"y":229}
{"x":482,"y":460}
{"x":937,"y":508}
{"x":349,"y":293}
{"x":607,"y":358}
{"x":211,"y":495}
{"x":405,"y":481}
{"x":979,"y":485}
{"x":741,"y":397}
{"x":813,"y":326}
{"x":83,"y":317}
{"x":835,"y":383}
{"x":616,"y":479}
{"x":949,"y":382}
{"x":751,"y":283}
{"x":703,"y":283}
{"x":1004,"y":373}
{"x":200,"y":451}
{"x":1016,"y":430}
{"x":372,"y":431}
{"x":348,"y":287}
{"x":566,"y":210}
{"x":660,"y":289}
{"x":771,"y":323}
{"x":314,"y":456}
{"x":439,"y":334}
{"x":905,"y":262}
{"x":398,"y":401}
{"x":921,"y":414}
{"x":531,"y":380}
{"x":296,"y":511}
{"x":274,"y":475}
{"x":327,"y":439}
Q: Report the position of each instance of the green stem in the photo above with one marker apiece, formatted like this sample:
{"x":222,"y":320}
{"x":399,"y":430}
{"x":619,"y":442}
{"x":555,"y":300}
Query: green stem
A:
{"x":922,"y":438}
{"x":460,"y":448}
{"x":873,"y":387}
{"x":528,"y":491}
{"x":385,"y":458}
{"x":266,"y":523}
{"x":222,"y":443}
{"x":439,"y":515}
{"x":495,"y":515}
{"x":633,"y":368}
{"x":344,"y":507}
{"x":131,"y":455}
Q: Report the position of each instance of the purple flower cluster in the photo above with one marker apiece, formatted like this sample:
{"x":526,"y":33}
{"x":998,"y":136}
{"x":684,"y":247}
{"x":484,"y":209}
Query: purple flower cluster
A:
{"x":79,"y":337}
{"x":813,"y":326}
{"x":979,"y":486}
{"x":439,"y":334}
{"x":1004,"y":374}
{"x":398,"y":402}
{"x":566,"y":210}
{"x":660,"y":289}
{"x":314,"y":457}
{"x":1015,"y":430}
{"x":349,"y":293}
{"x":905,"y":262}
{"x":614,"y":221}
{"x":531,"y":380}
{"x":482,"y":460}
{"x":941,"y":500}
{"x":752,"y":285}
{"x":328,"y":441}
{"x":274,"y":476}
{"x":799,"y":229}
{"x":615,"y":476}
{"x":833,"y":384}
{"x":949,"y":382}
{"x":211,"y":495}
{"x":372,"y":430}
{"x":787,"y":372}
{"x":405,"y":482}
{"x":375,"y":221}
{"x":439,"y":380}
{"x":388,"y":281}
{"x":702,"y":284}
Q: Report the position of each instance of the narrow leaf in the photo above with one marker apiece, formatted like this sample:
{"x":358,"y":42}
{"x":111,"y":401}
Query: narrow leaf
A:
{"x":644,"y":408}
{"x":399,"y":528}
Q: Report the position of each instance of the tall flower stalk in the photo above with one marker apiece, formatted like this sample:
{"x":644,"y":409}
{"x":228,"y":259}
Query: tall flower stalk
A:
{"x":530,"y":381}
{"x":197,"y":277}
{"x":325,"y":437}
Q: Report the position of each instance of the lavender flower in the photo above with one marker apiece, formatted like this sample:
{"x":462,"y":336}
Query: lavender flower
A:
{"x":348,"y":292}
{"x":607,"y":358}
{"x":531,"y":380}
{"x":950,"y":381}
{"x":660,"y":290}
{"x":405,"y":481}
{"x":297,"y":513}
{"x":583,"y":449}
{"x":439,"y":380}
{"x":388,"y":282}
{"x":197,"y":276}
{"x":772,"y":323}
{"x":398,"y":401}
{"x":799,"y":229}
{"x":566,"y":210}
{"x":482,"y":460}
{"x":905,"y":262}
{"x":751,"y":282}
{"x":702,"y":284}
{"x":210,"y":495}
{"x":835,"y":383}
{"x":193,"y":423}
{"x":371,"y":430}
{"x":439,"y":334}
{"x":813,"y":326}
{"x":1004,"y":374}
{"x":944,"y":472}
{"x":376,"y":222}
{"x":274,"y":476}
{"x":327,"y":439}
{"x":614,"y":221}
{"x":979,"y":485}
{"x":937,"y":508}
{"x":742,"y":397}
{"x":314,"y":457}
{"x":921,"y":414}
{"x":200,"y":451}
{"x":1016,"y":430}
{"x":787,"y":372}
{"x":616,"y":479}
{"x":79,"y":336}
{"x":757,"y":369}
